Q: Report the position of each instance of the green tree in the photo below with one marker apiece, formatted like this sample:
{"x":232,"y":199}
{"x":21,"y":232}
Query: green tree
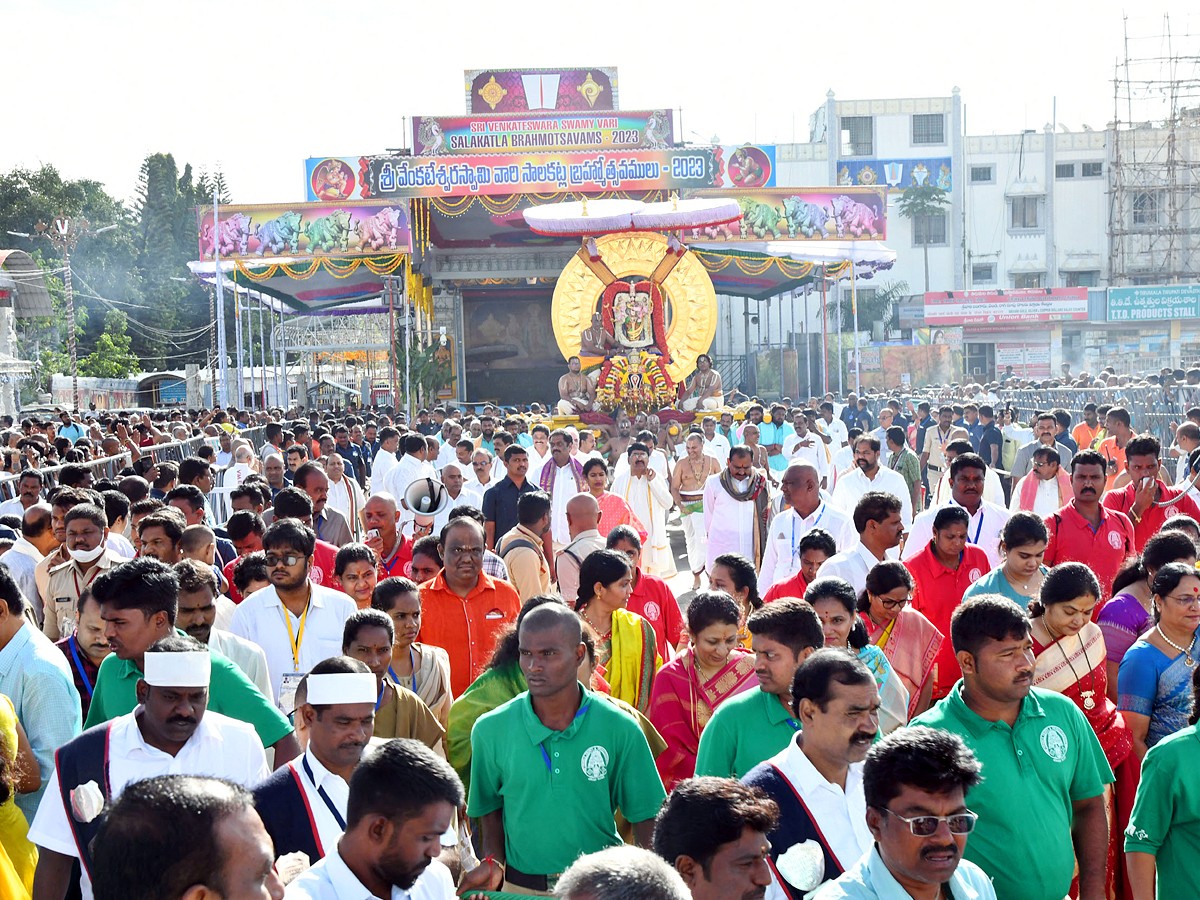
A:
{"x":917,"y":204}
{"x":877,"y":305}
{"x":112,"y":357}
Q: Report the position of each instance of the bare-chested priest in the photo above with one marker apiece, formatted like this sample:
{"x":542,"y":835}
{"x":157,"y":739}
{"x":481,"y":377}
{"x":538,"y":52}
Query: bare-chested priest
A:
{"x":596,"y":341}
{"x":576,"y":392}
{"x":687,"y":487}
{"x":705,"y":391}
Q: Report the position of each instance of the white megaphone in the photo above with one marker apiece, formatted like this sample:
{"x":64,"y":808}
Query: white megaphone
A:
{"x":425,"y":498}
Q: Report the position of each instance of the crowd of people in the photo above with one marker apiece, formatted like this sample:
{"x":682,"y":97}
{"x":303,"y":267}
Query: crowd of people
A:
{"x":925,"y":652}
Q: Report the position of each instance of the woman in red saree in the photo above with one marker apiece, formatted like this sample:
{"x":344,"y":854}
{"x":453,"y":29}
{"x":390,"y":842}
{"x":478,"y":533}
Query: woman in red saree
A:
{"x":1069,"y":656}
{"x":689,"y":688}
{"x":908,"y":639}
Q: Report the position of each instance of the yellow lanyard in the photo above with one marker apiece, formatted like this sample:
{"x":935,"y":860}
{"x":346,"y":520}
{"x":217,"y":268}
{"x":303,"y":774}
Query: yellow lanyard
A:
{"x":295,"y":638}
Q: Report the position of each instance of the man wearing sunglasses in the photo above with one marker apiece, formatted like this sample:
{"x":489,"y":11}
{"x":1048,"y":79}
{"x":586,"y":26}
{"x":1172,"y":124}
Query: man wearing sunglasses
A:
{"x":297,"y":623}
{"x":915,"y":781}
{"x":1041,"y":806}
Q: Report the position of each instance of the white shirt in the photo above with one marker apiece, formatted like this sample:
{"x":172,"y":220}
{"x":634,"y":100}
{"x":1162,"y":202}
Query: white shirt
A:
{"x":983,"y":530}
{"x":816,"y":452}
{"x":220,"y":747}
{"x":120,"y":545}
{"x":781,"y":556}
{"x":851,"y":565}
{"x":836,"y":430}
{"x":993,"y":490}
{"x":718,"y":448}
{"x":260,"y":618}
{"x":447,"y":453}
{"x":335,"y":788}
{"x":728,"y":522}
{"x":12,"y":507}
{"x":407,"y":470}
{"x":563,"y":488}
{"x":470,"y":492}
{"x":841,"y":815}
{"x":384,"y":460}
{"x":1045,"y":501}
{"x":331,"y":879}
{"x":246,"y":655}
{"x":851,"y":487}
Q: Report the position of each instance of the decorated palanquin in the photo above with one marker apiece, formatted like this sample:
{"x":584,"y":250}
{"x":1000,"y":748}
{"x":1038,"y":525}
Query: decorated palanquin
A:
{"x":656,"y":304}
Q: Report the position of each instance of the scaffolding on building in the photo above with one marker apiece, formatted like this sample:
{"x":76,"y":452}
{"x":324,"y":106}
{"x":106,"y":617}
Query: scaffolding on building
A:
{"x":1154,"y":162}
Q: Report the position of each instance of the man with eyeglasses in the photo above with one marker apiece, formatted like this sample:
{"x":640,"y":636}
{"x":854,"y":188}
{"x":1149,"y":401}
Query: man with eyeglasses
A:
{"x":295,"y":622}
{"x":1041,"y":807}
{"x":817,"y":778}
{"x":915,"y":782}
{"x":463,"y":609}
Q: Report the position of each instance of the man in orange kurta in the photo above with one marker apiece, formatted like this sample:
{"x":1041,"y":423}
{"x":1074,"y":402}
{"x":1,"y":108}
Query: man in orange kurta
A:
{"x":463,"y":610}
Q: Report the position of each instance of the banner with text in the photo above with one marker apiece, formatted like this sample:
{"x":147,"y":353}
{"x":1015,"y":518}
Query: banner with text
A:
{"x":628,"y":129}
{"x":1154,"y":302}
{"x":996,"y":307}
{"x":305,"y":230}
{"x":542,"y":173}
{"x":530,"y":90}
{"x":1027,"y":360}
{"x":802,"y":214}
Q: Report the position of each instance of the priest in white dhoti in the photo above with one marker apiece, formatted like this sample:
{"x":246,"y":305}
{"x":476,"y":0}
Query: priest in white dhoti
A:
{"x":737,"y":509}
{"x":704,"y":391}
{"x":649,"y":496}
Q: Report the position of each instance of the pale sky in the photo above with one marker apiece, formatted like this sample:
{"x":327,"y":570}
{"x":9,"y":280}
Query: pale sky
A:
{"x":93,"y":87}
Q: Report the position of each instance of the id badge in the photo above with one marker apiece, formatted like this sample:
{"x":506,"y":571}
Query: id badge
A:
{"x":287,"y":691}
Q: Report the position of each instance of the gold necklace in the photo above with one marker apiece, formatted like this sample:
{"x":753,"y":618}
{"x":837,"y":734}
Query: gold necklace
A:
{"x":1089,"y":702}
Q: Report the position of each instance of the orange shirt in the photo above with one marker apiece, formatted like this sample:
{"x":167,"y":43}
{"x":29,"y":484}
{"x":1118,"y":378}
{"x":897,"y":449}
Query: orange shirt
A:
{"x":1109,"y":450}
{"x":467,"y":628}
{"x":1084,"y":434}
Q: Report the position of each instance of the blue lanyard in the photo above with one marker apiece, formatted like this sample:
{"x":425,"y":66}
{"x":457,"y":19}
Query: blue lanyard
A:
{"x":795,"y":725}
{"x":980,"y":527}
{"x":412,"y":661}
{"x":317,"y":522}
{"x":87,"y":683}
{"x":814,"y":525}
{"x":379,"y":699}
{"x":337,"y":816}
{"x":542,"y":745}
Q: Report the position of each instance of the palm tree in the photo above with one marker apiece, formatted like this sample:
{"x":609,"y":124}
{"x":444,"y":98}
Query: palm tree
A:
{"x":919,"y":201}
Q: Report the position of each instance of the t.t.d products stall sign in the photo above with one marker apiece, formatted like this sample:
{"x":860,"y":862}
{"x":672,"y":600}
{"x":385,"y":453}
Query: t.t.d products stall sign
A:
{"x":997,"y":307}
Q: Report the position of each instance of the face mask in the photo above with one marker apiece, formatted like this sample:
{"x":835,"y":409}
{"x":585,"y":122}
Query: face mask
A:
{"x":87,"y":556}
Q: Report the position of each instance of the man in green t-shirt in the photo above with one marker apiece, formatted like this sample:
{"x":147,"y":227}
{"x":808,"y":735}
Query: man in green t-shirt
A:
{"x":138,"y":602}
{"x":755,"y":725}
{"x":1041,"y":801}
{"x":550,"y":768}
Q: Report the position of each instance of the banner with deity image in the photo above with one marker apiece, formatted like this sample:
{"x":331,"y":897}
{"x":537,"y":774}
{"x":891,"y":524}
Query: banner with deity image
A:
{"x":896,"y":174}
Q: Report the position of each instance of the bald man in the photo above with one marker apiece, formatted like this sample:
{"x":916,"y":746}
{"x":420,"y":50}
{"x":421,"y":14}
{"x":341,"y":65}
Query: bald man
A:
{"x":806,"y":510}
{"x":583,"y":520}
{"x":461,"y":488}
{"x":381,"y":519}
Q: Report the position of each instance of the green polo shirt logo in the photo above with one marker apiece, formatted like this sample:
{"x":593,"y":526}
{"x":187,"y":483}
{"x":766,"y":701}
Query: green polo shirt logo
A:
{"x":595,"y":763}
{"x":1054,"y":742}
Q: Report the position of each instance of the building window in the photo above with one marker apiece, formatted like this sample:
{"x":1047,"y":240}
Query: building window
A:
{"x":1081,"y":279}
{"x":983,"y":273}
{"x":858,"y":135}
{"x":929,"y":129}
{"x":1145,"y":279}
{"x":1091,"y":169}
{"x":982,"y":175}
{"x":1024,"y":280}
{"x":1147,"y":208}
{"x":1064,"y":170}
{"x":1024,"y":212}
{"x":929,"y":230}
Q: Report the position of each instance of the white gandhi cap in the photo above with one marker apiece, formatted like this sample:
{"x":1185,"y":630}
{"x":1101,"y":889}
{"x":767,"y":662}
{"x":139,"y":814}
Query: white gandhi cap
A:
{"x":341,"y":687}
{"x":191,"y":668}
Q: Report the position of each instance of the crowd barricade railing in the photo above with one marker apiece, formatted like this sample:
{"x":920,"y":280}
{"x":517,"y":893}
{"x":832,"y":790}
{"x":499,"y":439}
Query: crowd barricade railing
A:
{"x":111,"y":466}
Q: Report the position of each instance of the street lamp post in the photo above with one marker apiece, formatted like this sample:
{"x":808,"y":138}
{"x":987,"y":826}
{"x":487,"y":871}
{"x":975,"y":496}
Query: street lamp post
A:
{"x":64,"y":233}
